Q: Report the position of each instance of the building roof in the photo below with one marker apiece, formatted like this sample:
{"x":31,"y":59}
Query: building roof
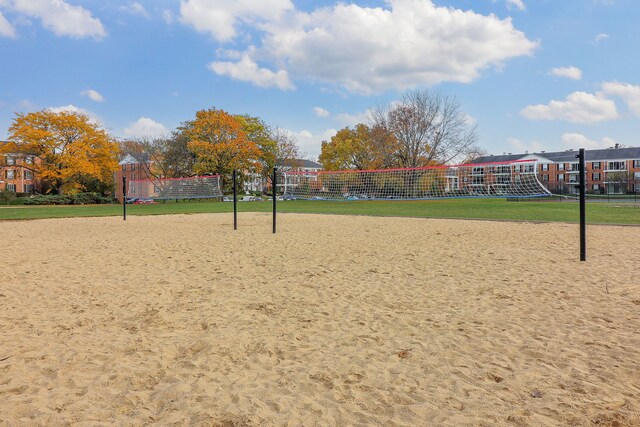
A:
{"x":567,"y":156}
{"x":302,"y":163}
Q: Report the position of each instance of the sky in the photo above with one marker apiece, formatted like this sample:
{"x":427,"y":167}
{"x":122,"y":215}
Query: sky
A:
{"x":531,"y":75}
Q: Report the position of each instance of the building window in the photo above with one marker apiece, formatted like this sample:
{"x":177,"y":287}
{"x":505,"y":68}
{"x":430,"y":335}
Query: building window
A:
{"x":636,"y":163}
{"x":561,"y":177}
{"x":575,"y":167}
{"x":545,"y":178}
{"x":28,"y":160}
{"x":11,"y":187}
{"x":9,"y":174}
{"x":636,"y":175}
{"x":28,"y":188}
{"x":544,"y":167}
{"x":596,"y":187}
{"x":124,"y":168}
{"x":478,"y":171}
{"x":595,"y":176}
{"x":617,"y":166}
{"x":560,"y":166}
{"x":11,"y":161}
{"x":595,"y":165}
{"x":28,"y":174}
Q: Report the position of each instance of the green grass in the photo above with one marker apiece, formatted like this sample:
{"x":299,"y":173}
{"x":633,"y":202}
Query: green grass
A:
{"x":494,"y":209}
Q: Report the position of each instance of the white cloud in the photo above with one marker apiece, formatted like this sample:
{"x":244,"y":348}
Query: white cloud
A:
{"x":579,"y":107}
{"x":220,"y":18}
{"x":351,"y":120}
{"x":248,"y":71}
{"x":517,"y":4}
{"x":470,"y":120}
{"x":600,"y":37}
{"x":60,"y":17}
{"x":6,"y":29}
{"x":92,"y":95}
{"x":578,"y":140}
{"x":145,"y":127}
{"x":135,"y":8}
{"x":310,"y":143}
{"x":365,"y":50}
{"x":168,"y":16}
{"x":629,"y":93}
{"x":321,"y":112}
{"x":73,"y":109}
{"x":573,"y":73}
{"x":520,"y":146}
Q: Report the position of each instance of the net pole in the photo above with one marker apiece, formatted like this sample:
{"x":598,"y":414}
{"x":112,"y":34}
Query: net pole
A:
{"x":275,"y":172}
{"x":124,"y":198}
{"x":583,"y":200}
{"x":235,"y":202}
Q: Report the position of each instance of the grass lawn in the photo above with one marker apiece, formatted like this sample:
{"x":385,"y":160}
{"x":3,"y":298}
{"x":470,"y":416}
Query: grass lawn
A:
{"x":495,"y":209}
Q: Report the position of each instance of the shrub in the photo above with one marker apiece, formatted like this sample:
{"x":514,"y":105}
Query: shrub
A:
{"x":7,"y":196}
{"x":66,"y":199}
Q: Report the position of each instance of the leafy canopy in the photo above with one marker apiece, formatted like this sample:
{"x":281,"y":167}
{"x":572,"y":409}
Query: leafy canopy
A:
{"x":70,"y":148}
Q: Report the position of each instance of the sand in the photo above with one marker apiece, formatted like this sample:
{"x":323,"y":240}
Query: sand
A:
{"x":335,"y":320}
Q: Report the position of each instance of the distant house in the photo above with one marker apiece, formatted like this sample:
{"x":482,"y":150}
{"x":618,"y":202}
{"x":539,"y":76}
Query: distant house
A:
{"x":16,"y":173}
{"x":257,"y":182}
{"x":608,"y":171}
{"x":131,"y":169}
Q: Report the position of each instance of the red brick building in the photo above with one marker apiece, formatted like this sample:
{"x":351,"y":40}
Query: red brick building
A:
{"x":16,"y":174}
{"x":608,"y":171}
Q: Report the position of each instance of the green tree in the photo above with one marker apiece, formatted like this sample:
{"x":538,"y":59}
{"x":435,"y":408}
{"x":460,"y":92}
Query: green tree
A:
{"x":7,"y":196}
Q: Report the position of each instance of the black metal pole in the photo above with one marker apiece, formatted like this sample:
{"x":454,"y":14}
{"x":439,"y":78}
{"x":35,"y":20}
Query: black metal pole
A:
{"x":124,"y":198}
{"x":583,"y":200}
{"x":235,"y":202}
{"x":273,"y":185}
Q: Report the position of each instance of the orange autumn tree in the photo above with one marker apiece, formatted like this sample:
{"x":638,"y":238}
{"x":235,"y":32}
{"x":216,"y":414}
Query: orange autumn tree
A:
{"x":70,"y":149}
{"x":220,"y":144}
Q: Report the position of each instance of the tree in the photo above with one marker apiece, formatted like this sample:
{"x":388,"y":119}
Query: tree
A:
{"x":7,"y":196}
{"x":620,"y":181}
{"x":220,"y":143}
{"x":70,"y":148}
{"x":359,"y":148}
{"x":429,"y":128}
{"x":472,"y":153}
{"x":161,"y":157}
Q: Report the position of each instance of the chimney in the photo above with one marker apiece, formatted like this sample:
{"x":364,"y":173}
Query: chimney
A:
{"x":616,"y":146}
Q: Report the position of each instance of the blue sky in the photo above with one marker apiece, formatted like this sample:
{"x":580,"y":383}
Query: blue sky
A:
{"x":531,"y":74}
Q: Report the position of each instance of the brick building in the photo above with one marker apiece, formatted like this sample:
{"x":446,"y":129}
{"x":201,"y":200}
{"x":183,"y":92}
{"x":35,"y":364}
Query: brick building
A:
{"x":131,"y":169}
{"x":16,"y":174}
{"x":608,"y":171}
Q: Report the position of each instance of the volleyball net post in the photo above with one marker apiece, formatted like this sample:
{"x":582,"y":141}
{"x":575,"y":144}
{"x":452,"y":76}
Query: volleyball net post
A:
{"x":273,"y":188}
{"x":583,"y":205}
{"x":124,"y":198}
{"x":235,"y":201}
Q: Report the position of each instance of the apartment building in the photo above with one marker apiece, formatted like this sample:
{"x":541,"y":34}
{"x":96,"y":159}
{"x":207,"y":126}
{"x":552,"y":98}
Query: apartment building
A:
{"x":130,"y":169}
{"x":613,"y":170}
{"x":16,"y":173}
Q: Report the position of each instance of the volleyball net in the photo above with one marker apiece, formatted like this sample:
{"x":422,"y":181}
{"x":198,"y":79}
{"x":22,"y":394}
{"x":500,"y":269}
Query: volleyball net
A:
{"x":489,"y":180}
{"x":196,"y":187}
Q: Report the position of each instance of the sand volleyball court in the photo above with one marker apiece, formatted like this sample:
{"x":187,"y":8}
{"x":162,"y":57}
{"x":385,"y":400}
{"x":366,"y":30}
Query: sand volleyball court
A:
{"x":336,"y":320}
